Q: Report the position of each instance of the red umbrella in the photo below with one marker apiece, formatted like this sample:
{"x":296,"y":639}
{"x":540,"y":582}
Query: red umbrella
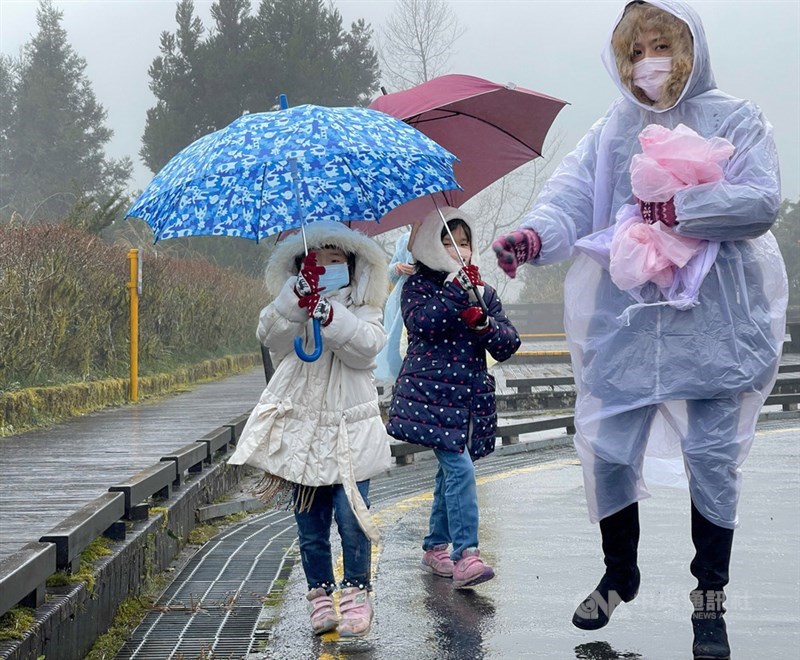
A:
{"x":491,"y":128}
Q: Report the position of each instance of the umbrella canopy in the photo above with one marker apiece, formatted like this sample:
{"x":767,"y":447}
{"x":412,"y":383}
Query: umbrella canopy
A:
{"x":272,"y":171}
{"x":492,"y":129}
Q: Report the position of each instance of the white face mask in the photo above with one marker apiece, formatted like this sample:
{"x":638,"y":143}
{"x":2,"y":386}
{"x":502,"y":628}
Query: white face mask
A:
{"x":466,"y":253}
{"x":650,"y":74}
{"x":334,"y":278}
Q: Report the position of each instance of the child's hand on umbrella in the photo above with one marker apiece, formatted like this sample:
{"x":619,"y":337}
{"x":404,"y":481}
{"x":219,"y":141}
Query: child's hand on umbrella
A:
{"x":308,"y":277}
{"x":653,"y":212}
{"x":468,"y":277}
{"x":475,"y":318}
{"x":515,"y":249}
{"x":318,"y":308}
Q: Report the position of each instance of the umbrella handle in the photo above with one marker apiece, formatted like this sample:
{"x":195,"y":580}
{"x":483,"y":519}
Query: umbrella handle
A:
{"x":298,"y":345}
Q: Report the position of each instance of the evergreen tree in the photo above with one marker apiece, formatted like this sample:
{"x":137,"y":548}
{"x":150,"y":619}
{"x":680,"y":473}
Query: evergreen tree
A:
{"x":787,"y":233}
{"x":7,"y":104}
{"x":53,"y":130}
{"x":306,"y":54}
{"x":229,"y":70}
{"x":178,"y":117}
{"x":295,"y":47}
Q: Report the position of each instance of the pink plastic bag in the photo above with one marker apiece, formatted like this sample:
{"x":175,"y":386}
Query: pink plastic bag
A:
{"x":675,"y":159}
{"x":670,"y":161}
{"x":642,"y":253}
{"x":636,"y":253}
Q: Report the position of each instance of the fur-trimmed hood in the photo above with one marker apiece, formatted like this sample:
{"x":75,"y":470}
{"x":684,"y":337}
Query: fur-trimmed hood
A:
{"x":691,"y":65}
{"x":370,"y":282}
{"x":427,"y":247}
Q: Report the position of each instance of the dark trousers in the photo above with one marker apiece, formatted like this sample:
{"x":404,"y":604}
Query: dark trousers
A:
{"x":314,"y":531}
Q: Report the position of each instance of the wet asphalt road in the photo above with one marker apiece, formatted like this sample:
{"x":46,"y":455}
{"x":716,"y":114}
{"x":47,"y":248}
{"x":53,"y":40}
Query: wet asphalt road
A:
{"x":536,"y":534}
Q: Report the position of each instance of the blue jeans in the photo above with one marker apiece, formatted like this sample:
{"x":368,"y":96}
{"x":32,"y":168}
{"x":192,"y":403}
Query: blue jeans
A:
{"x":454,"y":513}
{"x":314,"y":531}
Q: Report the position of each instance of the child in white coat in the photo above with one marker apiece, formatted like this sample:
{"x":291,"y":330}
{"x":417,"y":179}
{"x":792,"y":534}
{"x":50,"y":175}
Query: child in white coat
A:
{"x":317,"y":429}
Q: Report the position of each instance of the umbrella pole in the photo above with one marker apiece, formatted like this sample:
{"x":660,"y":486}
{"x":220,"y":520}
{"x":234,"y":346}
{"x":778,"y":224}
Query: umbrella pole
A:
{"x":298,"y":341}
{"x":478,"y":295}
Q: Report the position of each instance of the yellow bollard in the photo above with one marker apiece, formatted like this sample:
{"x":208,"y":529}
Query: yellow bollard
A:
{"x":134,"y":285}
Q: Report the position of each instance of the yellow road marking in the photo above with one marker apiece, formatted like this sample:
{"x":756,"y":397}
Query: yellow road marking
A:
{"x":542,"y":334}
{"x":541,"y":353}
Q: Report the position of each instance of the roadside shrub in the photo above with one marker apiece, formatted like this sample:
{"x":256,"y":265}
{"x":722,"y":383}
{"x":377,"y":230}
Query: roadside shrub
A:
{"x":64,"y":310}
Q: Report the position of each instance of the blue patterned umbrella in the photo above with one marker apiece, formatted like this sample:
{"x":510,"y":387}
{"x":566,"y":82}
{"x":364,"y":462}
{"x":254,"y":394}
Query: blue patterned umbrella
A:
{"x":272,"y":171}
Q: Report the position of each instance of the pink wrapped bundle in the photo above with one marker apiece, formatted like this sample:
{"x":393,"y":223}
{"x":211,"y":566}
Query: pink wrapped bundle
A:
{"x":643,"y":253}
{"x":671,"y":160}
{"x":675,"y":159}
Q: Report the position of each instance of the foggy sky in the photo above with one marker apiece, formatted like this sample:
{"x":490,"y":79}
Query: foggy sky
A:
{"x":551,"y":46}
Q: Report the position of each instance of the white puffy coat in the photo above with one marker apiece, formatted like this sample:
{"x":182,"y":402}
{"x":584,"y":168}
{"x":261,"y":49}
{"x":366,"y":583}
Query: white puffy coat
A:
{"x":318,"y":423}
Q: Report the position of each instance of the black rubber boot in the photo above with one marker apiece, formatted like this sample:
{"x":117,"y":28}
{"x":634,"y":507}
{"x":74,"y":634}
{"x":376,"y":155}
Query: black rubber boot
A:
{"x":710,"y":566}
{"x":620,"y":583}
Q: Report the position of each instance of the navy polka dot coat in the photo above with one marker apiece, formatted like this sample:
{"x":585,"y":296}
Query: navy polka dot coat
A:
{"x":444,"y":397}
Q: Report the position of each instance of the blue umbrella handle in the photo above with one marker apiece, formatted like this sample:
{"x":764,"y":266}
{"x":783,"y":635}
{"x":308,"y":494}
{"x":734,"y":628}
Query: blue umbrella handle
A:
{"x":298,"y":345}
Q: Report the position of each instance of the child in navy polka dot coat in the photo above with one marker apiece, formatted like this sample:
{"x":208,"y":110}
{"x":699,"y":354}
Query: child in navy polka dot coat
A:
{"x":444,"y":397}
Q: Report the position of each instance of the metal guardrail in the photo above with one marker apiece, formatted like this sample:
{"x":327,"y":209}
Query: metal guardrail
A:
{"x":507,"y":431}
{"x":785,"y":393}
{"x":24,"y":574}
{"x":101,"y":517}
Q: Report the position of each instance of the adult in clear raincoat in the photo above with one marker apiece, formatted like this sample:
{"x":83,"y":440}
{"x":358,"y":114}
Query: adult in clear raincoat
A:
{"x":671,"y":380}
{"x":390,"y":359}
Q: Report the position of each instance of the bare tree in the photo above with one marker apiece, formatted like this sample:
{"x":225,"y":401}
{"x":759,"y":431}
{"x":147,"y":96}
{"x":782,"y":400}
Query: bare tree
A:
{"x":416,"y":42}
{"x":414,"y":45}
{"x":499,"y":209}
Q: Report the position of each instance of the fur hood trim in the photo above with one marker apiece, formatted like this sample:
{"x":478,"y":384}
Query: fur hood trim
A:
{"x":370,"y":282}
{"x":428,"y":248}
{"x":691,"y":67}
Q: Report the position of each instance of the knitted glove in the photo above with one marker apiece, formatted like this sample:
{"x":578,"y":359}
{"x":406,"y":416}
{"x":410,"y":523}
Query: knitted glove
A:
{"x":515,"y":249}
{"x":468,"y":277}
{"x":653,"y":212}
{"x":317,"y":308}
{"x":475,"y":318}
{"x":308,"y":277}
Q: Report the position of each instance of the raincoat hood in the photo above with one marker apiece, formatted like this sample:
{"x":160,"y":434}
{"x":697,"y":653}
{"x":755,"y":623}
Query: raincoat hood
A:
{"x":370,"y":282}
{"x":427,"y":247}
{"x":685,"y":81}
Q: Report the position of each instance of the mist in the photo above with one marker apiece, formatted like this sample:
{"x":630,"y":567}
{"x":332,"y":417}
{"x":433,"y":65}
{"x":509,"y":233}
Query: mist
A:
{"x":546,"y":45}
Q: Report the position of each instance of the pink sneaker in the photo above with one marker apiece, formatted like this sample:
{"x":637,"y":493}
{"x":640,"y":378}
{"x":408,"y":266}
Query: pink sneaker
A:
{"x":437,"y":561}
{"x":323,"y":614}
{"x":356,"y":608}
{"x":471,"y":569}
